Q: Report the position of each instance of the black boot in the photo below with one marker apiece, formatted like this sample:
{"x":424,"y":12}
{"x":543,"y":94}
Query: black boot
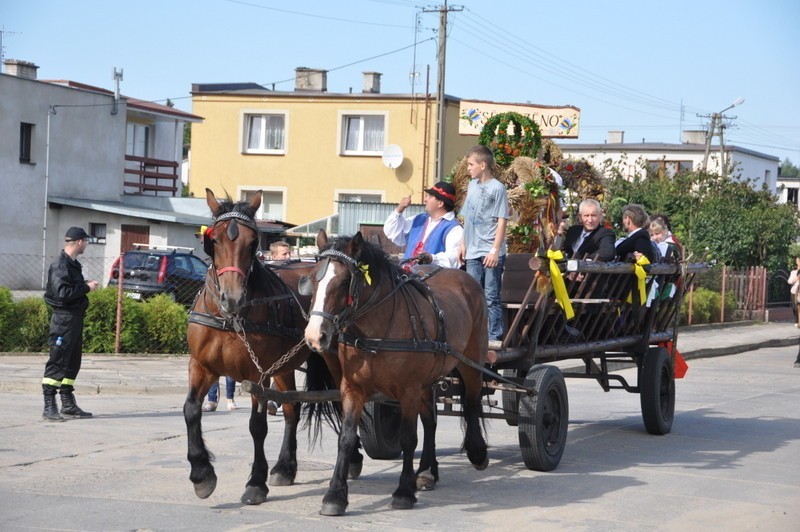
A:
{"x":50,"y":408}
{"x":68,"y":406}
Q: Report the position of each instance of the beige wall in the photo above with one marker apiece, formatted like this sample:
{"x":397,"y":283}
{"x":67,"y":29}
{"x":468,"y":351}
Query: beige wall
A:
{"x":312,"y":171}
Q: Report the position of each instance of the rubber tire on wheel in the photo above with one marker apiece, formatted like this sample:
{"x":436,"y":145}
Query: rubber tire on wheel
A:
{"x":543,"y":418}
{"x":511,"y":399}
{"x":657,"y":391}
{"x":380,"y":430}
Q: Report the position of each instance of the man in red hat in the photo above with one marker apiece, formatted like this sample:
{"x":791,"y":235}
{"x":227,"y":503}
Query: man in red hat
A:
{"x":433,"y":236}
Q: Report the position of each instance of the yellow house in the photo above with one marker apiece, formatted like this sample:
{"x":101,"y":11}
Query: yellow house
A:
{"x":307,"y":149}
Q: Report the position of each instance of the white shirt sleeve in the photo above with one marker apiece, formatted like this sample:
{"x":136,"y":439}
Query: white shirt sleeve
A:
{"x":396,"y":228}
{"x":452,"y":242}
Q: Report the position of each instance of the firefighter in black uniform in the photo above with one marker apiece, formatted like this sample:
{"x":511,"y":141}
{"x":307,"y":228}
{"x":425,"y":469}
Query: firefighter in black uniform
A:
{"x":66,"y":294}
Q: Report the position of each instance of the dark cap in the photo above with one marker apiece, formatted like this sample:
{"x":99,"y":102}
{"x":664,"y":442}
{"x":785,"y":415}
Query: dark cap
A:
{"x":445,"y":192}
{"x":75,"y":233}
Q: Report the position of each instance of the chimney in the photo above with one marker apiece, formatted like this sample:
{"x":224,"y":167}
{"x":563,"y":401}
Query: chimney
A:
{"x":310,"y":80}
{"x":695,"y":136}
{"x":372,"y":82}
{"x":21,"y":69}
{"x":615,"y":137}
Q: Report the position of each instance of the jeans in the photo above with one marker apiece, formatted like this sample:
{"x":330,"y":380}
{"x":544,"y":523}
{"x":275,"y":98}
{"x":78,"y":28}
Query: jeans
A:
{"x":490,"y":280}
{"x":230,"y":388}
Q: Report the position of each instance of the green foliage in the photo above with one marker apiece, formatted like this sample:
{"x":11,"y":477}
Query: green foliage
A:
{"x":794,"y":253}
{"x":707,"y":306}
{"x":715,"y":217}
{"x":6,"y":312}
{"x":165,"y":325}
{"x":99,"y":330}
{"x":787,"y":169}
{"x":33,"y":329}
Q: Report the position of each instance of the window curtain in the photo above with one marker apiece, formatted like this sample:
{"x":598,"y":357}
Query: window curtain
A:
{"x":274,"y":132}
{"x":254,"y":132}
{"x":373,"y":133}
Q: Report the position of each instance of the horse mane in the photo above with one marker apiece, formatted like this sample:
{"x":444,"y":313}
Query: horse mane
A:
{"x":380,"y":263}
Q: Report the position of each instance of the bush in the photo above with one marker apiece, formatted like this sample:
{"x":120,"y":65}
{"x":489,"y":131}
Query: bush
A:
{"x":706,"y":306}
{"x":32,"y":316}
{"x":99,"y":330}
{"x":165,"y":325}
{"x":6,"y":313}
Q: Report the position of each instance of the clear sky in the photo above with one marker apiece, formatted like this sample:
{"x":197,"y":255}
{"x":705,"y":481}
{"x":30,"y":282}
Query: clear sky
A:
{"x":645,"y":67}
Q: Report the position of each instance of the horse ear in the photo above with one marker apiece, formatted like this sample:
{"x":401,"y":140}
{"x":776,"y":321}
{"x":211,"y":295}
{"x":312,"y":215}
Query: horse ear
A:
{"x":322,"y":239}
{"x":356,"y":243}
{"x":213,"y":204}
{"x":255,"y":203}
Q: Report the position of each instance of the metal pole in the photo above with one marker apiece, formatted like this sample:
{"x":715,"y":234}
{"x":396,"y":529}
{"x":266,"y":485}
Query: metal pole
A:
{"x":722,"y":168}
{"x":709,"y":136}
{"x":440,"y":105}
{"x":50,"y":111}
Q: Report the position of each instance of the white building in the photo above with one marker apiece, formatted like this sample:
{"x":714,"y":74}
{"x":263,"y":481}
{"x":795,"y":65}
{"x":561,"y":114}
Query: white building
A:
{"x":74,"y":155}
{"x":634,"y":158}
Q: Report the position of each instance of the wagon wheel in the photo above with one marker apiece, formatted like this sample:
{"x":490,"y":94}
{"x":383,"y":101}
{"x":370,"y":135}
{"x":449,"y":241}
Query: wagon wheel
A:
{"x":657,"y":391}
{"x":380,"y":430}
{"x":543,"y":418}
{"x":511,"y":399}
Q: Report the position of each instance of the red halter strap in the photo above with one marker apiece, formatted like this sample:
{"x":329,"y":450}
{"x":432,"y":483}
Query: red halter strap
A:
{"x":231,"y":269}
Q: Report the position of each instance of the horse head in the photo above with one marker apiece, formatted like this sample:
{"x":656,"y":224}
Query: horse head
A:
{"x":232,"y":243}
{"x":336,"y":285}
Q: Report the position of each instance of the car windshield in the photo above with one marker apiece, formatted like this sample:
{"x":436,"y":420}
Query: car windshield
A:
{"x":142,"y":261}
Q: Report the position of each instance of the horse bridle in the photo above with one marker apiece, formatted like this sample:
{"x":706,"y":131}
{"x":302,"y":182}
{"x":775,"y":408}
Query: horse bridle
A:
{"x":233,"y":233}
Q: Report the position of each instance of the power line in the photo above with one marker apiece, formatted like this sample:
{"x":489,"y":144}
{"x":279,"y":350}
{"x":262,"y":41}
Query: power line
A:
{"x":313,"y":15}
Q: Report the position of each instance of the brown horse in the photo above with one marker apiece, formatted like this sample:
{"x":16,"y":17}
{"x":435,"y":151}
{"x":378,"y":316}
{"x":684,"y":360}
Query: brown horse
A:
{"x":247,"y":323}
{"x":397,"y":336}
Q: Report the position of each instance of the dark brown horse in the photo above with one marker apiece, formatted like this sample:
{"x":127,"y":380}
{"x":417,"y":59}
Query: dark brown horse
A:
{"x":247,"y":323}
{"x":397,"y":336}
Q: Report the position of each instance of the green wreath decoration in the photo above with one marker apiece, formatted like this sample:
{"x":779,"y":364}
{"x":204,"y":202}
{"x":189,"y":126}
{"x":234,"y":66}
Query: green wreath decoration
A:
{"x":505,"y":146}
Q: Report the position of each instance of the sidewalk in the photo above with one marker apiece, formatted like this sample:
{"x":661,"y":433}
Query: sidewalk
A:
{"x":120,"y":374}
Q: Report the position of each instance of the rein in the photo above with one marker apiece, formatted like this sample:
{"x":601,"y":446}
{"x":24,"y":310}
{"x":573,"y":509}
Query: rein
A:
{"x":401,"y":284}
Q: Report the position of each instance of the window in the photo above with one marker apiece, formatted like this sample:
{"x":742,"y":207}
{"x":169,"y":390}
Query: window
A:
{"x":363,"y":134}
{"x":360,"y":198}
{"x":265,"y":133}
{"x":665,"y":168}
{"x":98,"y":232}
{"x":138,"y":140}
{"x":272,"y":203}
{"x":791,"y":196}
{"x":25,"y":139}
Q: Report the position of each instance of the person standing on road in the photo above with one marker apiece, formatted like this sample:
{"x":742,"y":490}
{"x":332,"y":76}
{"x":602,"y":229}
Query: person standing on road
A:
{"x":66,"y":294}
{"x":433,"y":236}
{"x":794,"y":280}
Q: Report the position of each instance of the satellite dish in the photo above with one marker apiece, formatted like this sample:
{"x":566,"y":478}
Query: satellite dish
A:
{"x":392,"y":156}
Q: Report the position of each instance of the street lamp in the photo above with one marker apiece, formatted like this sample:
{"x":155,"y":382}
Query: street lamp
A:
{"x":716,"y":121}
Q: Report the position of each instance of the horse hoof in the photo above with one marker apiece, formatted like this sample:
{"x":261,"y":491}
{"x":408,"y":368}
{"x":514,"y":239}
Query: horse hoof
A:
{"x":483,"y":465}
{"x":426,"y":481}
{"x":332,"y":509}
{"x":254,"y":495}
{"x":205,"y":488}
{"x":279,"y":479}
{"x":354,"y":470}
{"x":403,"y":503}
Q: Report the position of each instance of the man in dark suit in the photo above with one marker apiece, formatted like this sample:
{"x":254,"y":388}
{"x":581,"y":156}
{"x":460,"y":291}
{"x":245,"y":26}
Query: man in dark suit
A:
{"x":588,"y":239}
{"x":634,"y":221}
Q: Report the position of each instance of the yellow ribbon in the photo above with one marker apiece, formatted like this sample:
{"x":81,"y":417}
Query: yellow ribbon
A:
{"x":638,"y":270}
{"x":365,"y":270}
{"x":560,"y":289}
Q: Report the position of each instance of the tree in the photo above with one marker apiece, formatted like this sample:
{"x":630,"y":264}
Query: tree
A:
{"x":737,"y":225}
{"x":787,"y":169}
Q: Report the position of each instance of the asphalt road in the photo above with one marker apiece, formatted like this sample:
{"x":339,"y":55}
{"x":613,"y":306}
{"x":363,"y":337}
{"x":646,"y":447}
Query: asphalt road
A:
{"x":730,"y":463}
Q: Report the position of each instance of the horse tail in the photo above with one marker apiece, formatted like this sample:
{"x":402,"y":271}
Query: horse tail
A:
{"x":320,"y":378}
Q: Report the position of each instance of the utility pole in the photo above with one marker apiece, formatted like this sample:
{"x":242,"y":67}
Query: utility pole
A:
{"x":117,"y":76}
{"x":717,"y":123}
{"x":440,"y":104}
